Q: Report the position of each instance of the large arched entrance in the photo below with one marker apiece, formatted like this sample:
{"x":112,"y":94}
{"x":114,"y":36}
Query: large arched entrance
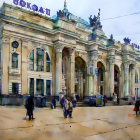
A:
{"x":100,"y":78}
{"x":80,"y":77}
{"x":116,"y":79}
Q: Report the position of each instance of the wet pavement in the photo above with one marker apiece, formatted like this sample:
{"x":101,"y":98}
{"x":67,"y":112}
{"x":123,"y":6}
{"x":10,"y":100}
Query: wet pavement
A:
{"x":88,"y":123}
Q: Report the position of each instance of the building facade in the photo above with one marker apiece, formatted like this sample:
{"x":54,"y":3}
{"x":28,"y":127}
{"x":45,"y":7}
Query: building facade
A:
{"x":42,"y":55}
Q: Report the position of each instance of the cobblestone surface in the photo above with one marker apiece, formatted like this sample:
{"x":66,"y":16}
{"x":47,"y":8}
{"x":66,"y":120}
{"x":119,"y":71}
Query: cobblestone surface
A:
{"x":88,"y":123}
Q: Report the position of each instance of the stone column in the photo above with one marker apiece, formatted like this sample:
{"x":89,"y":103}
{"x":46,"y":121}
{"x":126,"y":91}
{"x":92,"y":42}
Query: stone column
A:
{"x":58,"y":50}
{"x":126,"y":79}
{"x":24,"y":67}
{"x":133,"y":81}
{"x":111,"y":73}
{"x":94,"y":58}
{"x":35,"y":59}
{"x":94,"y":78}
{"x":28,"y":85}
{"x":72,"y":71}
{"x":44,"y":87}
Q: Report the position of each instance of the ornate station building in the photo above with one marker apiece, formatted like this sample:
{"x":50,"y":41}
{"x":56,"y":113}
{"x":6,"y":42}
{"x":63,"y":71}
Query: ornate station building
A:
{"x":42,"y":55}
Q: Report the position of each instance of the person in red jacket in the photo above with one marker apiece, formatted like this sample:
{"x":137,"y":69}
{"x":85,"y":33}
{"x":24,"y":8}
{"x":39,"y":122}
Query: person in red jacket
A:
{"x":137,"y":104}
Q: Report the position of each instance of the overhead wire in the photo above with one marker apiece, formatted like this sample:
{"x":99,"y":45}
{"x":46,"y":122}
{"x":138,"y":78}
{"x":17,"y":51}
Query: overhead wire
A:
{"x":121,"y":16}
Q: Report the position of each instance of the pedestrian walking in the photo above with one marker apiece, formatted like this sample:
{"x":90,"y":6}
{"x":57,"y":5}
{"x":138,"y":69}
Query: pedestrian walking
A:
{"x":104,"y":99}
{"x":66,"y":108}
{"x":30,"y":107}
{"x":70,"y":108}
{"x":118,"y":99}
{"x":136,"y":108}
{"x":53,"y":105}
{"x":62,"y":100}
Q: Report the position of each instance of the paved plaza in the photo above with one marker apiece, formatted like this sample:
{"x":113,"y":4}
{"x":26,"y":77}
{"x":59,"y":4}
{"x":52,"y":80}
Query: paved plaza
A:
{"x":88,"y":123}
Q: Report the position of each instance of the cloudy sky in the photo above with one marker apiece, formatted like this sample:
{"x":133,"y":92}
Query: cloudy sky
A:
{"x":126,"y":26}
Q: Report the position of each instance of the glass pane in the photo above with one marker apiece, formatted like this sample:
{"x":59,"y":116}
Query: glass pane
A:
{"x":47,"y":57}
{"x":31,"y":60}
{"x":47,"y":66}
{"x":40,"y":60}
{"x":40,"y":86}
{"x":15,"y":87}
{"x":48,"y":87}
{"x":31,"y":86}
{"x":47,"y":63}
{"x":14,"y":60}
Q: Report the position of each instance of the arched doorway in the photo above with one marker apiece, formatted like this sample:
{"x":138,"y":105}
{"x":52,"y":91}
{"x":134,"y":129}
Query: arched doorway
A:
{"x":100,"y":78}
{"x":116,"y":79}
{"x":80,"y":77}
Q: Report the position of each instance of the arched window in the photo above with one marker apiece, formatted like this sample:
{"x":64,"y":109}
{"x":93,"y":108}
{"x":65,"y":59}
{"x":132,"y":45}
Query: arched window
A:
{"x":48,"y":63}
{"x":39,"y":59}
{"x":136,"y":77}
{"x":100,"y":71}
{"x":31,"y":60}
{"x":14,"y":60}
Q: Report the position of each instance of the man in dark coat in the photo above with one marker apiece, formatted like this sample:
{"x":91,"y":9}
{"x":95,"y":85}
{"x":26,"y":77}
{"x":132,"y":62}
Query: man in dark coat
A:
{"x":30,"y":107}
{"x":53,"y":103}
{"x":137,"y":104}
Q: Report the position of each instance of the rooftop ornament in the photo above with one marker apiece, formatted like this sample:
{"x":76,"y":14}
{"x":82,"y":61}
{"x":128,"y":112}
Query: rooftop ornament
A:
{"x":95,"y":21}
{"x":127,"y":40}
{"x":137,"y":47}
{"x":65,"y":4}
{"x":64,"y":13}
{"x":110,"y":41}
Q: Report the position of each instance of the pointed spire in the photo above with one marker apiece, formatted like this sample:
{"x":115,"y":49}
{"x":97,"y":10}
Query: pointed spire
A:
{"x":65,"y":4}
{"x":99,"y":13}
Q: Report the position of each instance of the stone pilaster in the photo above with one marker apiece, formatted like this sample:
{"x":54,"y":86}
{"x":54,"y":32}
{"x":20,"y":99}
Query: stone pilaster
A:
{"x":111,"y":73}
{"x":126,"y":79}
{"x":34,"y":86}
{"x":89,"y":83}
{"x":58,"y":49}
{"x":81,"y":85}
{"x":5,"y":64}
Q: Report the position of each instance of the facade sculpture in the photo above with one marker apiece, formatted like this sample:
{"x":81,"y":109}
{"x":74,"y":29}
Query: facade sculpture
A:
{"x":40,"y":55}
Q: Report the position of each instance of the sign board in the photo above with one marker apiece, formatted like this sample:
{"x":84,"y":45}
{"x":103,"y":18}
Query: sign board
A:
{"x":29,"y":6}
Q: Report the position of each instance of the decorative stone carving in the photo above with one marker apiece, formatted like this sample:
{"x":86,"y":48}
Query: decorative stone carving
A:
{"x":111,"y":40}
{"x":127,"y":40}
{"x":95,"y":21}
{"x":58,"y":47}
{"x":5,"y":40}
{"x":63,"y":14}
{"x":111,"y":61}
{"x":126,"y":65}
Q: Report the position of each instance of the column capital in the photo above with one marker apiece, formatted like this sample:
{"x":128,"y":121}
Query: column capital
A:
{"x":111,"y":61}
{"x":94,"y":55}
{"x":5,"y":40}
{"x":126,"y":65}
{"x":58,"y":47}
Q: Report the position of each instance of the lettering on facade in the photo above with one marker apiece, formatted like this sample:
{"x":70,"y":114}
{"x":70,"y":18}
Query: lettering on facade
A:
{"x":32,"y":7}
